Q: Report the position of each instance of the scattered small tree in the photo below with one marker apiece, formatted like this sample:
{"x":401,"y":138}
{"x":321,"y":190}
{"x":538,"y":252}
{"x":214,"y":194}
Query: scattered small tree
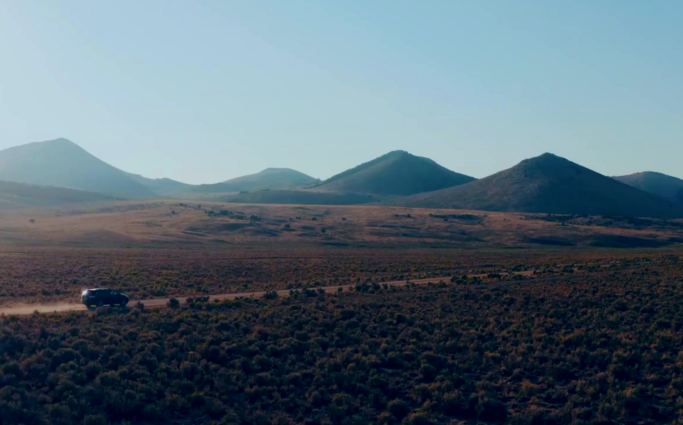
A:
{"x":398,"y":408}
{"x":271,"y":295}
{"x":173,"y":303}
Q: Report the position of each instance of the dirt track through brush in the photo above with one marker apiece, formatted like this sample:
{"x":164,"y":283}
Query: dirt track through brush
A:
{"x":62,"y":307}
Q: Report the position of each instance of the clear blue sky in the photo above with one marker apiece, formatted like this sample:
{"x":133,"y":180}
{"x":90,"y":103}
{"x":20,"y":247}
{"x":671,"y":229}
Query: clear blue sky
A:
{"x":202,"y":91}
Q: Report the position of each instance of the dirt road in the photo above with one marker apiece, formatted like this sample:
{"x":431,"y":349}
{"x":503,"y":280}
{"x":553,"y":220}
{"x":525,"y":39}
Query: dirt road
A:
{"x":17,"y":310}
{"x":161,"y":302}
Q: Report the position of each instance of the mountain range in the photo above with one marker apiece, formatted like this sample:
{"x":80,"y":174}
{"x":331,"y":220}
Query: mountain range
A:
{"x":392,"y":175}
{"x":548,"y":184}
{"x":666,"y":187}
{"x":545,"y":184}
{"x":162,"y":187}
{"x":62,"y":163}
{"x":270,"y":178}
{"x":396,"y":173}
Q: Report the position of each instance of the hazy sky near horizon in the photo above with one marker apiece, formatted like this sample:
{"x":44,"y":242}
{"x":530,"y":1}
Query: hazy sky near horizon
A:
{"x":203,"y":91}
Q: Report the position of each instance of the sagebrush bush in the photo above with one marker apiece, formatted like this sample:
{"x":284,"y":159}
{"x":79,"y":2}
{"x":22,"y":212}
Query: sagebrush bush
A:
{"x":590,"y":349}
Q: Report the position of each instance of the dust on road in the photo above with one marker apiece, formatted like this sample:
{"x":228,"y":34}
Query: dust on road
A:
{"x":25,"y":309}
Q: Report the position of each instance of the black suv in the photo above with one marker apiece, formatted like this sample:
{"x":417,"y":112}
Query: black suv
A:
{"x":102,"y":296}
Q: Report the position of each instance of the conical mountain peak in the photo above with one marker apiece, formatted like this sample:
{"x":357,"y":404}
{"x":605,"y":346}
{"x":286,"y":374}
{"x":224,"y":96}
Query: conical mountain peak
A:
{"x":270,"y":178}
{"x":662,"y":185}
{"x":395,"y":173}
{"x":548,"y":184}
{"x":60,"y":162}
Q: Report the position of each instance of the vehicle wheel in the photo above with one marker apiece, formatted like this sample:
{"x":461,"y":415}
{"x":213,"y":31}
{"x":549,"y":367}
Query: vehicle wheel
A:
{"x":100,"y":304}
{"x":123,"y":303}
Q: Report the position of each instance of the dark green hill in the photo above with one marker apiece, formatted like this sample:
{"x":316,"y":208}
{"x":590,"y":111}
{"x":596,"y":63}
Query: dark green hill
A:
{"x":304,"y":197}
{"x":270,"y":178}
{"x":19,"y":195}
{"x":396,"y":173}
{"x":548,"y":184}
{"x":162,"y":187}
{"x":62,"y":163}
{"x":666,"y":187}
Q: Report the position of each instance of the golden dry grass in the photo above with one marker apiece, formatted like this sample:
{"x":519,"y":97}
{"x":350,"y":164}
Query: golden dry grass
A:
{"x":170,"y":224}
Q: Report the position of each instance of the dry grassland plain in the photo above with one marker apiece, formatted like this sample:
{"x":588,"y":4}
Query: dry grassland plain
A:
{"x":173,"y":224}
{"x":175,"y":248}
{"x":443,"y":316}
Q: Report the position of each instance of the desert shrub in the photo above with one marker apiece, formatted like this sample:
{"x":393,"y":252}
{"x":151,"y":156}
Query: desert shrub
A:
{"x":578,"y":349}
{"x":95,"y":420}
{"x":398,"y":408}
{"x":271,"y":295}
